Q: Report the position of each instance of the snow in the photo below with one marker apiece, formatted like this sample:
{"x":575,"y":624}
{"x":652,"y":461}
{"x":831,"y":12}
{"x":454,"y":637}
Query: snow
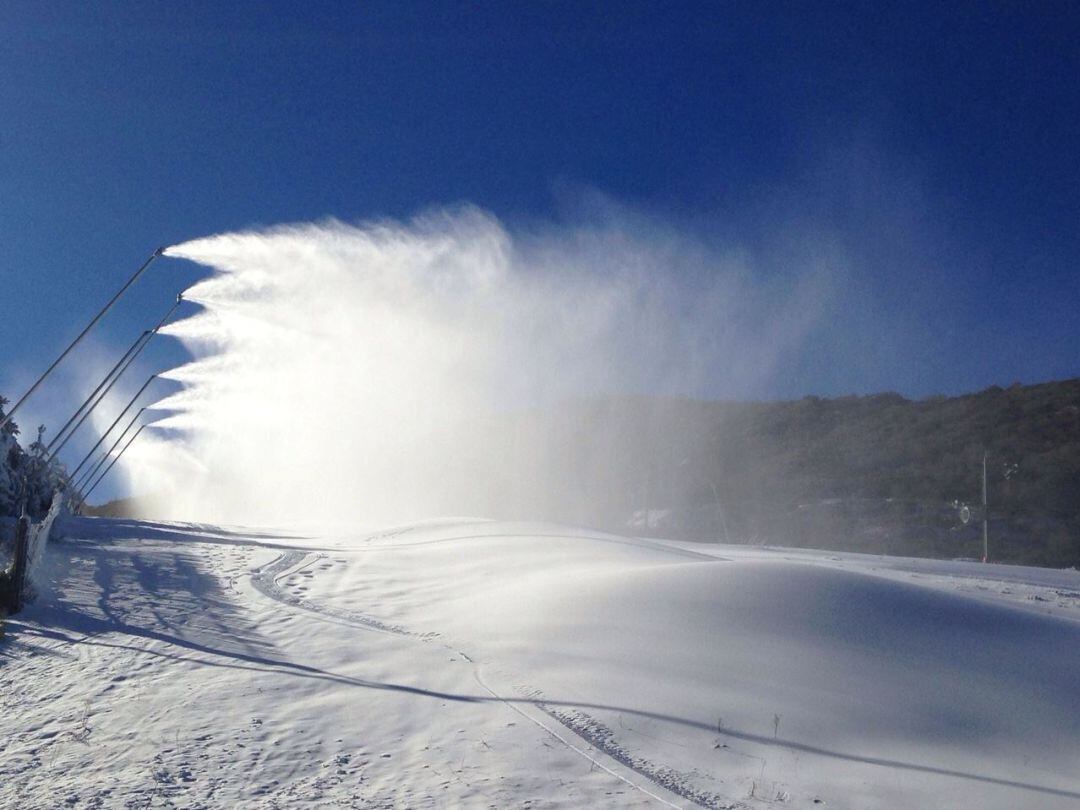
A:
{"x":470,"y":663}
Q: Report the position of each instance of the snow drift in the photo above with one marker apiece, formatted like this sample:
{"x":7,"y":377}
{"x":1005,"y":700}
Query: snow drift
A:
{"x":478,"y":664}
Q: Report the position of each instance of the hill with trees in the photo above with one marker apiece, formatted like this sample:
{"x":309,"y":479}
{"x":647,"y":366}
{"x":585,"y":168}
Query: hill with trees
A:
{"x":879,"y":474}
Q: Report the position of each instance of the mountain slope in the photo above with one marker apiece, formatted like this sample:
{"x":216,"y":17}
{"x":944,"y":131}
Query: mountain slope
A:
{"x":473,"y":663}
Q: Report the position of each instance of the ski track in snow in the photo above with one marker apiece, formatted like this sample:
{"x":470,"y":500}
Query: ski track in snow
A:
{"x":597,"y":736}
{"x":267,"y":580}
{"x":601,"y":738}
{"x":110,"y":632}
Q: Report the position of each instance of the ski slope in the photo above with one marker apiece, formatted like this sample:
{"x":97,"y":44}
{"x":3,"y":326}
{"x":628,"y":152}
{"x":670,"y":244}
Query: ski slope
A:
{"x":469,"y":663}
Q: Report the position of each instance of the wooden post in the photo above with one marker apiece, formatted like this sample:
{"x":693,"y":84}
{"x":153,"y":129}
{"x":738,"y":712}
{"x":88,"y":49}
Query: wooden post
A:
{"x":18,"y":567}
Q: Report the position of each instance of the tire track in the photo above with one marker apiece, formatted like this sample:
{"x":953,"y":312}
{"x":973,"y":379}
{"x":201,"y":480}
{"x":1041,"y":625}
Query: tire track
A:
{"x":267,"y":580}
{"x":562,"y":739}
{"x":602,"y":739}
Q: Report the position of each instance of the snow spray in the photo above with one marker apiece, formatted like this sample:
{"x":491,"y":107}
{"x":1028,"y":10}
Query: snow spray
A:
{"x":367,"y":374}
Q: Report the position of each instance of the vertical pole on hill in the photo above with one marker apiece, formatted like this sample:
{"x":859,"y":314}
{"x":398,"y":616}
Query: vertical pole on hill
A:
{"x":18,"y":568}
{"x":986,"y":513}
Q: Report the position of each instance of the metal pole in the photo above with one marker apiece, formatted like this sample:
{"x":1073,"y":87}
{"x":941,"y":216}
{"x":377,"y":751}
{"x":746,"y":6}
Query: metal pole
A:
{"x":97,"y":390}
{"x":86,"y":477}
{"x":93,"y":449}
{"x":101,"y":398}
{"x":18,"y":568}
{"x":82,"y":334}
{"x":986,"y":513}
{"x":126,"y":446}
{"x":134,"y":348}
{"x":144,"y":338}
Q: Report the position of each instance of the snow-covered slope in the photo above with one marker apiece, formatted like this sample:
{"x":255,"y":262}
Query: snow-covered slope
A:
{"x":479,"y":664}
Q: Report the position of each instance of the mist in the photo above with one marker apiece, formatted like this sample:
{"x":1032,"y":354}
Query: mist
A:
{"x":385,"y":372}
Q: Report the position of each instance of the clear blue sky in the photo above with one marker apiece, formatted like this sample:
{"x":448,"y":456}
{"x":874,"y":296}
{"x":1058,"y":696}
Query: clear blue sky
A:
{"x":937,"y":143}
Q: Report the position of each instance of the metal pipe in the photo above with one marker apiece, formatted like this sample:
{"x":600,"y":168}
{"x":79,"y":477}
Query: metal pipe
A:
{"x":107,"y":377}
{"x":115,"y":379}
{"x":82,"y":334}
{"x":986,"y":513}
{"x":127,"y":407}
{"x":96,"y":391}
{"x":126,"y":446}
{"x":104,"y":394}
{"x":87,"y":476}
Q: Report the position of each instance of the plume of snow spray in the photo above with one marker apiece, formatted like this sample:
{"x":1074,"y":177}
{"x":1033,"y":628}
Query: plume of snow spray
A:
{"x":358,"y":373}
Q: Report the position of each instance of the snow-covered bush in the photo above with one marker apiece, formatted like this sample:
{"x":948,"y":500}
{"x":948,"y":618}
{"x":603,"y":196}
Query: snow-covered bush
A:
{"x":26,"y":474}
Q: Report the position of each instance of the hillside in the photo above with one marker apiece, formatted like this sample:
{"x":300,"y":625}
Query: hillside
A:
{"x":879,"y":474}
{"x":484,"y":664}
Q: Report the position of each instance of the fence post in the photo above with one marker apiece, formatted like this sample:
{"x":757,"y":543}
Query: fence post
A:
{"x":18,"y":568}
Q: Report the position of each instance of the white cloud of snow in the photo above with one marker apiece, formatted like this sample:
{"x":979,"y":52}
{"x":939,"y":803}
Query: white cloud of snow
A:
{"x":356,"y":363}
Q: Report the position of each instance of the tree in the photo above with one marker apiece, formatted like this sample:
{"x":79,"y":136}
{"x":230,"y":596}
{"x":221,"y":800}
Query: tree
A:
{"x":30,"y":475}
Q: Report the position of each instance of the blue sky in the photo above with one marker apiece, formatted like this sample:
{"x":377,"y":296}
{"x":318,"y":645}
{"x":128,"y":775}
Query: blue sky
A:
{"x":937,"y":147}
